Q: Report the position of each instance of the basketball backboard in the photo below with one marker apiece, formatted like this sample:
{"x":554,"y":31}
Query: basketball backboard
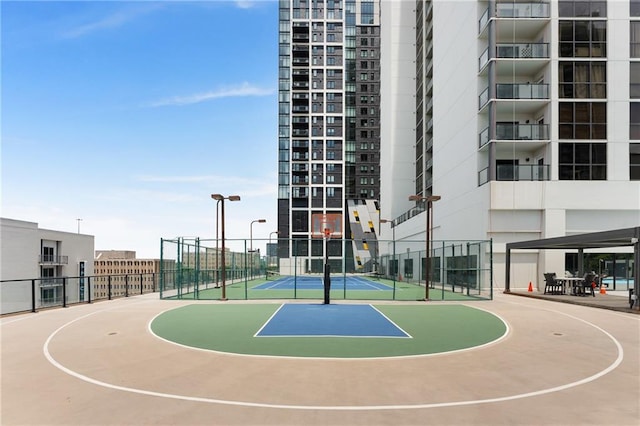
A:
{"x":326,"y":225}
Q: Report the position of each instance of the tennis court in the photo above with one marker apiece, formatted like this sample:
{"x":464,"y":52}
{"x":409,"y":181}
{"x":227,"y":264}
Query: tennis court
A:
{"x":289,"y":282}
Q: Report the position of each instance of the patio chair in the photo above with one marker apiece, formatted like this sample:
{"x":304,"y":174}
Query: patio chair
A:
{"x":588,"y":284}
{"x":551,"y":284}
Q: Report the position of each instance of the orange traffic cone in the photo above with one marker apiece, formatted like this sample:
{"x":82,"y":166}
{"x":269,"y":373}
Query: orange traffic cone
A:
{"x":530,"y":287}
{"x":602,"y":289}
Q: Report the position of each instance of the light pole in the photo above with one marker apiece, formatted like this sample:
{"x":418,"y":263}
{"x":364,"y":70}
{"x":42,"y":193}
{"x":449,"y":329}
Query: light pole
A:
{"x":217,"y":250}
{"x":270,"y":250}
{"x":393,"y":230}
{"x":79,"y":220}
{"x":251,"y":240}
{"x":427,"y":268}
{"x":220,"y":197}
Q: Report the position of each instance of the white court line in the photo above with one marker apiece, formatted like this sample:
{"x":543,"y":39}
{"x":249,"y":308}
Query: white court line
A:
{"x":269,"y":319}
{"x":389,"y":319}
{"x":588,"y":379}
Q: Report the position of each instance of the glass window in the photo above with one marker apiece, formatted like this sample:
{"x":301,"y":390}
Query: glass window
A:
{"x":583,"y":161}
{"x":582,"y":79}
{"x":583,"y":39}
{"x":634,"y":7}
{"x":582,"y":8}
{"x":634,"y":120}
{"x":634,"y":80}
{"x":583,"y":120}
{"x":634,"y":39}
{"x":634,"y":161}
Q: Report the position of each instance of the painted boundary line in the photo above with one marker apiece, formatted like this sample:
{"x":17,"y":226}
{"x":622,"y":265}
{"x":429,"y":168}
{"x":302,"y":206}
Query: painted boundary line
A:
{"x":611,"y":367}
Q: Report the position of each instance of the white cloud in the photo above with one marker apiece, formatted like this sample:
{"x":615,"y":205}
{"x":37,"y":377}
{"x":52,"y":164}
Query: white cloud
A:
{"x":115,"y":20}
{"x":245,"y":89}
{"x":245,"y":4}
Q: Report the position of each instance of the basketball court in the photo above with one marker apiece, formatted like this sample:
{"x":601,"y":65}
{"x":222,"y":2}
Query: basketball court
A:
{"x":141,"y":360}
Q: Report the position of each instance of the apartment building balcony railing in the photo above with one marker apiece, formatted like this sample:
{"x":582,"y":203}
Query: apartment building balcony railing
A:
{"x":300,"y":36}
{"x":516,"y":51}
{"x":297,"y":156}
{"x":510,"y":173}
{"x":523,"y":10}
{"x":51,"y":282}
{"x":507,"y":11}
{"x":50,"y":259}
{"x":514,"y":132}
{"x":522,"y":172}
{"x":522,"y":91}
{"x":538,"y":94}
{"x":522,"y":50}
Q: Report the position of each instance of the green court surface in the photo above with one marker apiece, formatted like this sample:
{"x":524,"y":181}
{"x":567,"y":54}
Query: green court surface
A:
{"x":231,"y":328}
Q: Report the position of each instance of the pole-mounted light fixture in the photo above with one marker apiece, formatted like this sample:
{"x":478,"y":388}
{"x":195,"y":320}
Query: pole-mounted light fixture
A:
{"x":427,"y":268}
{"x":220,"y":198}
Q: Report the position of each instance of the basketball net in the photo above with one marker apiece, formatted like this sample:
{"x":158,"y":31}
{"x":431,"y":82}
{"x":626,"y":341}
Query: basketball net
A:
{"x":327,"y":233}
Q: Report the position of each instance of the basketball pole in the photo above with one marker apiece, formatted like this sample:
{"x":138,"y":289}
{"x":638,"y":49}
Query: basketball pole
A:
{"x":327,"y":268}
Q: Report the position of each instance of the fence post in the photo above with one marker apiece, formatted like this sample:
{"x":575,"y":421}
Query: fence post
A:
{"x":140,"y":283}
{"x":88,"y":289}
{"x":126,"y":286}
{"x":33,"y":295}
{"x":64,"y":292}
{"x":109,"y":285}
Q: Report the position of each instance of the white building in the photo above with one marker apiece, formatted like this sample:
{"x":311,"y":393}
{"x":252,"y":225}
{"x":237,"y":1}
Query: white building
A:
{"x":524,"y":117}
{"x":28,"y":253}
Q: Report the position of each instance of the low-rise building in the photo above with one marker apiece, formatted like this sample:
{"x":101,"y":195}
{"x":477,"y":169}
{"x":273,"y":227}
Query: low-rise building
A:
{"x":39,"y":263}
{"x":120,"y":273}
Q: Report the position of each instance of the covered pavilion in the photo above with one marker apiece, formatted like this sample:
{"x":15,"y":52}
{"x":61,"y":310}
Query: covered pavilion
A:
{"x":605,"y":239}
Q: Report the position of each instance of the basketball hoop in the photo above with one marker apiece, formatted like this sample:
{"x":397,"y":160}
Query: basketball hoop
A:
{"x":326,"y":225}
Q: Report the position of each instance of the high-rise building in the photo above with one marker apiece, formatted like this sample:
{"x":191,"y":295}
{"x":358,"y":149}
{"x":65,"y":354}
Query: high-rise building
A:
{"x":524,"y":117}
{"x":329,"y":129}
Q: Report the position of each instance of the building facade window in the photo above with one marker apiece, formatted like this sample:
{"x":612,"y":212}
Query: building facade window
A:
{"x":583,"y":39}
{"x":582,"y":79}
{"x":583,"y":161}
{"x":634,"y":161}
{"x":582,"y":8}
{"x":634,"y":80}
{"x":634,"y":120}
{"x":634,"y":39}
{"x":583,"y":120}
{"x":366,"y":12}
{"x":634,"y":7}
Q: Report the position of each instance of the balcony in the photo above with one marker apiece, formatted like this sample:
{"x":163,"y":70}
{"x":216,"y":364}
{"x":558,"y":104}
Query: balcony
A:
{"x":516,"y":98}
{"x":517,"y":172}
{"x":516,"y":20}
{"x":515,"y":132}
{"x":524,"y":172}
{"x":523,"y":10}
{"x":50,"y":259}
{"x":516,"y":58}
{"x":522,"y":91}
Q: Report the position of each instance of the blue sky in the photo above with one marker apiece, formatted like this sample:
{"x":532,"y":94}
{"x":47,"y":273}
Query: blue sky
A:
{"x":129,"y":115}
